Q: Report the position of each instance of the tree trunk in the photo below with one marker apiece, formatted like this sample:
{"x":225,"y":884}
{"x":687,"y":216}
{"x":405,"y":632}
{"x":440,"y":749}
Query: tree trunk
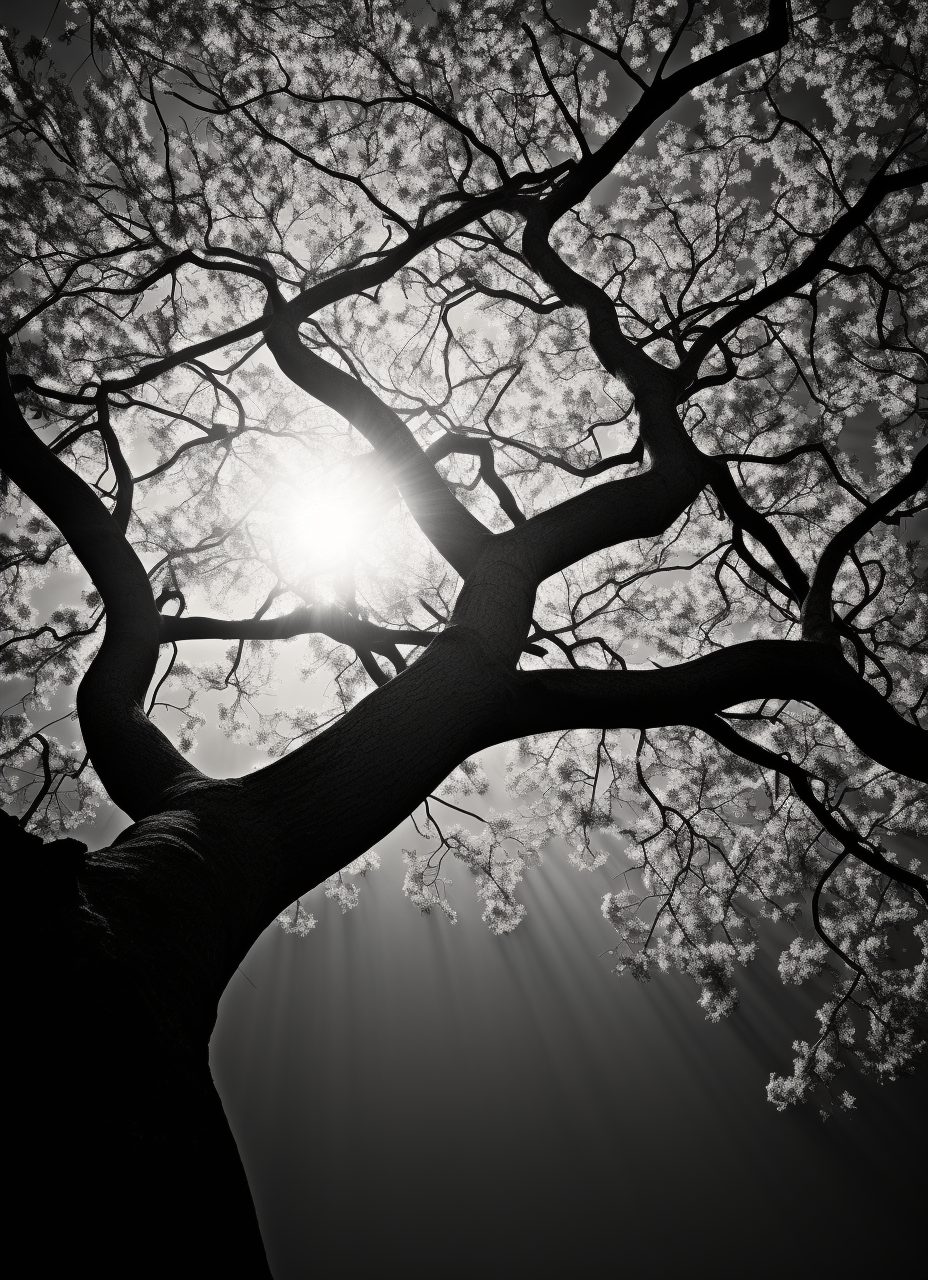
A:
{"x":131,"y":958}
{"x":130,"y":1167}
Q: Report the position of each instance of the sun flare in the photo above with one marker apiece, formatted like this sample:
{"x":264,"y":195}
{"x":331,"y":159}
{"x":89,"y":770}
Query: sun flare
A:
{"x":326,"y":530}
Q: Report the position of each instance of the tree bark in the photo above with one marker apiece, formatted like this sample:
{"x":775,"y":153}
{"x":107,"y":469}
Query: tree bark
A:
{"x":128,"y":1167}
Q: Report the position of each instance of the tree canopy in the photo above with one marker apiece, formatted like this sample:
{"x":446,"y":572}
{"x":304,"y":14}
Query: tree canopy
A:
{"x":505,"y":360}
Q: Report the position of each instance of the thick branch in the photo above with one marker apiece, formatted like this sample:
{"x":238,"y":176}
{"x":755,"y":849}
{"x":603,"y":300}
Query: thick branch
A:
{"x":617,"y":354}
{"x":687,"y":693}
{"x":449,"y":526}
{"x":498,"y":597}
{"x":743,"y":516}
{"x":329,"y":619}
{"x":481,"y":448}
{"x":135,"y":761}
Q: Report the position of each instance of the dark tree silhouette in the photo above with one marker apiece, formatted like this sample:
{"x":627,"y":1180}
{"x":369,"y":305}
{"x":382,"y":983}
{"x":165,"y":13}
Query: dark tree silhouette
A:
{"x":508,"y":357}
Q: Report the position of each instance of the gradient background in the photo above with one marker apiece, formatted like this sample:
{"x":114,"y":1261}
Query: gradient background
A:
{"x":413,"y":1095}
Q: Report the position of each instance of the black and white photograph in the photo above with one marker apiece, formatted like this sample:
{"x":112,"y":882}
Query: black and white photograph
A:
{"x":464,"y":637}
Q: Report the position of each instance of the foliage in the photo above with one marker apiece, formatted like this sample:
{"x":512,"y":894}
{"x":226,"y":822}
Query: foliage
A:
{"x":383,"y":172}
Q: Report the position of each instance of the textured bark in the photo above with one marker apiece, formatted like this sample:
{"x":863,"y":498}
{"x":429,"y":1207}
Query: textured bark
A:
{"x":129,"y":975}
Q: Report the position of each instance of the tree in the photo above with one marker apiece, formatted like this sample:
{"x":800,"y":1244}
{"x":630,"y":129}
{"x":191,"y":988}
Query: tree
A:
{"x":506,"y":357}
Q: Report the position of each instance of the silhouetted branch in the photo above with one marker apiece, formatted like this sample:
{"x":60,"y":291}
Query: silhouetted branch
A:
{"x":689,"y":692}
{"x":482,"y":449}
{"x":328,"y":619}
{"x":817,"y":619}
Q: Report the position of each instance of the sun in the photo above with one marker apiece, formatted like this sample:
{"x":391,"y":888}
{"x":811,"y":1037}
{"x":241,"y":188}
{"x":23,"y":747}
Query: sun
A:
{"x":324,"y":529}
{"x":327,"y":529}
{"x":324,"y":524}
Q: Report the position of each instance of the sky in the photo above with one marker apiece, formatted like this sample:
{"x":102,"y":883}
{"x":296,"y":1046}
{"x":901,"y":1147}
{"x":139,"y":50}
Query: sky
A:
{"x":413,"y":1095}
{"x":416,"y":1096}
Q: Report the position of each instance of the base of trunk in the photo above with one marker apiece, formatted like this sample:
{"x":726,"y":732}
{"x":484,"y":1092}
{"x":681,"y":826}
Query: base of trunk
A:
{"x":126,"y":1168}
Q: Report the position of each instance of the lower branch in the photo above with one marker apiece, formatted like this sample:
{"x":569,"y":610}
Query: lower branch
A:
{"x":134,"y":760}
{"x":686,"y":694}
{"x":329,"y":619}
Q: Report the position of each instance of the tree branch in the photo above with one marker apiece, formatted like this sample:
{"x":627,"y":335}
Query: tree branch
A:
{"x":849,"y":840}
{"x":328,"y":619}
{"x":657,"y":100}
{"x":689,"y":692}
{"x":453,"y":531}
{"x":125,"y":485}
{"x":806,"y":271}
{"x":617,"y":353}
{"x":497,"y":599}
{"x":743,"y":516}
{"x":135,"y":761}
{"x":326,"y":292}
{"x":550,"y":86}
{"x":633,"y":456}
{"x":481,"y":448}
{"x":817,"y":613}
{"x":46,"y":780}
